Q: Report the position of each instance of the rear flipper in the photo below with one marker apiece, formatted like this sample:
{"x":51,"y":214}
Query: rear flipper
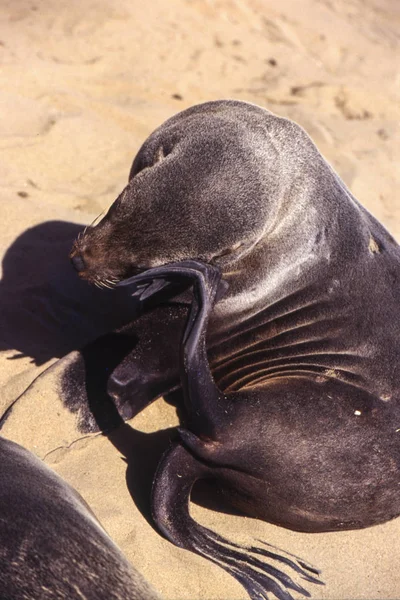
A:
{"x":175,"y":477}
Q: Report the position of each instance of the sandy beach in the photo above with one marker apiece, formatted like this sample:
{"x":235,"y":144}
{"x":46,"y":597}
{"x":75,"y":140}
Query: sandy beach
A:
{"x":82,"y":84}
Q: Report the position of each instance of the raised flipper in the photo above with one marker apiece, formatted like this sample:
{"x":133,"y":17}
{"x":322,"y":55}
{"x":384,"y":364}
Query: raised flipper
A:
{"x":206,"y":405}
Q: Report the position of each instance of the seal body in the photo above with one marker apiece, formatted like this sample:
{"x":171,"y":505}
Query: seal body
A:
{"x":304,"y":347}
{"x":51,"y":544}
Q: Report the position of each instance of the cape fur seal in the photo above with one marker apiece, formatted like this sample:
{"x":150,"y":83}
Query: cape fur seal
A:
{"x":51,"y":544}
{"x":300,"y":421}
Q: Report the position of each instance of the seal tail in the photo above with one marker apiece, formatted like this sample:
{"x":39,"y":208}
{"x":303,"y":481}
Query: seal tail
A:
{"x":175,"y":477}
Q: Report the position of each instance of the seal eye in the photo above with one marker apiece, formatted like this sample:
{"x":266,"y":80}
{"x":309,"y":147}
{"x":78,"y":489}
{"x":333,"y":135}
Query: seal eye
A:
{"x":230,"y":250}
{"x":236,"y":246}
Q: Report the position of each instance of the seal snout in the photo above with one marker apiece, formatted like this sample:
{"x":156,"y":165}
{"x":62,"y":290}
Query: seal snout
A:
{"x":88,"y":261}
{"x":77,"y":262}
{"x":80,"y":258}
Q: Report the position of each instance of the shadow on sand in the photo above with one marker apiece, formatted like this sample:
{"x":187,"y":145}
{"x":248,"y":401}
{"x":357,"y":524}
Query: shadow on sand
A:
{"x":47,"y":311}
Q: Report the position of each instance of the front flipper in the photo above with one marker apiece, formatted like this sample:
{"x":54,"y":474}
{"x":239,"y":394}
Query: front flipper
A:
{"x":253,"y":567}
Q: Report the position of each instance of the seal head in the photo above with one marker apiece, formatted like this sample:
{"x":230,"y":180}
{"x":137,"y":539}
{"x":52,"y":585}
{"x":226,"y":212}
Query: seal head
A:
{"x":207,"y":184}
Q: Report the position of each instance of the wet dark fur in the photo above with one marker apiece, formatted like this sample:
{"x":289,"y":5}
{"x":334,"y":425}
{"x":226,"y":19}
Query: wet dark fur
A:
{"x":304,"y":346}
{"x":51,"y":545}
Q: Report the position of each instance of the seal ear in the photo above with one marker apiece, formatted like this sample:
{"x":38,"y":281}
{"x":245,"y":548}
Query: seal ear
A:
{"x":159,"y":155}
{"x":139,"y":165}
{"x":147,"y":158}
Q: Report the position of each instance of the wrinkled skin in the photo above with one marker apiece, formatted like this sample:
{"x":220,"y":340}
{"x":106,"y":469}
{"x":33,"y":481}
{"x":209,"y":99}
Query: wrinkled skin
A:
{"x":304,"y":345}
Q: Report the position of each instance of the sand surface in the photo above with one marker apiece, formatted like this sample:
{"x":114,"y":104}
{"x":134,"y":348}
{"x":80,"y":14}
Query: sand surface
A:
{"x":82,"y":83}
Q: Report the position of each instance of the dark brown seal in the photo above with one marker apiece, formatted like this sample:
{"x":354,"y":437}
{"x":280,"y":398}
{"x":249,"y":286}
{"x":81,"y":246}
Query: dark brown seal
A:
{"x":301,"y":427}
{"x":51,"y":544}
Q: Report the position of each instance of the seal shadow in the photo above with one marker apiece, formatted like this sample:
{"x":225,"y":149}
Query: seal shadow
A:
{"x":142,"y":453}
{"x":47,"y":311}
